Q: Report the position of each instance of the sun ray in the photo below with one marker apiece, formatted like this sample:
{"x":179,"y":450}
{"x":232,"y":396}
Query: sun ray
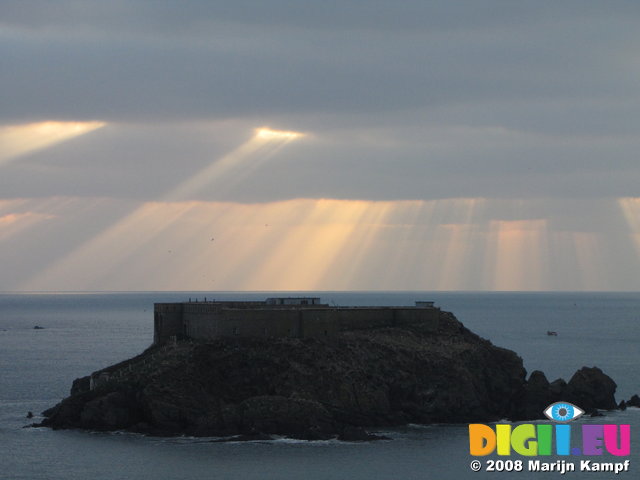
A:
{"x":458,"y":243}
{"x":413,"y":231}
{"x":15,"y":223}
{"x":113,"y":248}
{"x":147,"y":225}
{"x":259,"y":229}
{"x":235,"y":165}
{"x":323,"y":244}
{"x":630,"y":207}
{"x":299,"y":256}
{"x":588,"y":248}
{"x":364,"y":243}
{"x":520,"y":254}
{"x":19,"y":140}
{"x":20,"y":215}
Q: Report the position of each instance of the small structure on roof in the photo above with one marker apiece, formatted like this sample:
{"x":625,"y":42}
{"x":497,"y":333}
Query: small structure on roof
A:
{"x":293,"y":301}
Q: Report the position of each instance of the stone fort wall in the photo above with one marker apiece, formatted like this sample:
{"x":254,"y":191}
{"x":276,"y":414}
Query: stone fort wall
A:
{"x":205,"y":321}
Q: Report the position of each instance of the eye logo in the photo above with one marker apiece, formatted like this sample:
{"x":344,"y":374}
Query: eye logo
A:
{"x":563,"y":412}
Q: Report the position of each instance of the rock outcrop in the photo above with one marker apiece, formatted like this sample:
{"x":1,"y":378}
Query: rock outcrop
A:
{"x":589,"y":388}
{"x":312,"y":389}
{"x":634,"y":401}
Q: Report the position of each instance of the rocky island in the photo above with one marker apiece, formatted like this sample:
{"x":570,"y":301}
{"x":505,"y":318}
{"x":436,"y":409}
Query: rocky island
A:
{"x":334,"y":373}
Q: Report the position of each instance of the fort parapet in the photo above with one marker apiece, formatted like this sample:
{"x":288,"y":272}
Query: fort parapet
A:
{"x":296,"y":317}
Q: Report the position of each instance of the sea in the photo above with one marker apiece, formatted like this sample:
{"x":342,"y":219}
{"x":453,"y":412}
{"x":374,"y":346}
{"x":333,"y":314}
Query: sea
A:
{"x":83,"y":332}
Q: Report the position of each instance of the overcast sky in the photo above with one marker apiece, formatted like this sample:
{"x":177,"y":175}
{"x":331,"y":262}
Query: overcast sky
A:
{"x":475,"y":145}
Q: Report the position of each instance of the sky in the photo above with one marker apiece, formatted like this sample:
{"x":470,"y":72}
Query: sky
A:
{"x":335,"y":145}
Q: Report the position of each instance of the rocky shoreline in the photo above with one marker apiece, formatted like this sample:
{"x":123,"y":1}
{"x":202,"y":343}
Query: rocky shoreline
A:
{"x":318,"y":389}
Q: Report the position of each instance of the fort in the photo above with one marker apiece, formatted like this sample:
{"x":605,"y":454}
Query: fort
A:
{"x":297,"y":367}
{"x":296,"y":317}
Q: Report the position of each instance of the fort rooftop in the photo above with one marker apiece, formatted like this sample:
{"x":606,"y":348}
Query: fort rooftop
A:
{"x":296,"y":317}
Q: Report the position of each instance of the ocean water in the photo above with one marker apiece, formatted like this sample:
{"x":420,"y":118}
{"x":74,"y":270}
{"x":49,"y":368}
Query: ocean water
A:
{"x":84,"y":332}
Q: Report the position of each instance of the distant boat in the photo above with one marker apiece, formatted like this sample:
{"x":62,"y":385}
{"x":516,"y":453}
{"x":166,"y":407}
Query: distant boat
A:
{"x":552,"y":334}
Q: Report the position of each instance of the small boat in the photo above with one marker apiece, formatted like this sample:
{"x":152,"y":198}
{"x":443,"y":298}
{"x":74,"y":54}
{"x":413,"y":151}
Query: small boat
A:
{"x":552,"y":334}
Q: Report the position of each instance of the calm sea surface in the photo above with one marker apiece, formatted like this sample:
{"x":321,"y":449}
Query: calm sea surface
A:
{"x":84,"y":332}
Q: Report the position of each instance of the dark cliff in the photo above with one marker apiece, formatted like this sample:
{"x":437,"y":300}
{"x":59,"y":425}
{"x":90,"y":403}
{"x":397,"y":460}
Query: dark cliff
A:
{"x":310,"y":388}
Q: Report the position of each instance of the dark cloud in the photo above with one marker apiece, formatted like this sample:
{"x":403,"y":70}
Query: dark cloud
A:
{"x":185,"y":16}
{"x":148,"y":60}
